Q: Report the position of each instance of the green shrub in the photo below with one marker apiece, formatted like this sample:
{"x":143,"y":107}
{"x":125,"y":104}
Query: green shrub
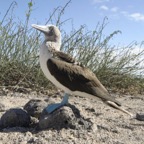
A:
{"x":118,"y":68}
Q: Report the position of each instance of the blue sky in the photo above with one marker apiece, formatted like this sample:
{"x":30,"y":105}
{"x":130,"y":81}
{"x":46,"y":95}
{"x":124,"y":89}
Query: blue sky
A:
{"x":124,"y":15}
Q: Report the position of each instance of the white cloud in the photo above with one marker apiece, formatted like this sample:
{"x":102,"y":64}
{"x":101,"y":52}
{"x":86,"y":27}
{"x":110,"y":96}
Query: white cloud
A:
{"x":114,"y":9}
{"x":137,"y":16}
{"x":103,"y":7}
{"x":133,"y":16}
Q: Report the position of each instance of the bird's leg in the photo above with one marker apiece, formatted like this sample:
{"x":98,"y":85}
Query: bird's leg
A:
{"x":52,"y":107}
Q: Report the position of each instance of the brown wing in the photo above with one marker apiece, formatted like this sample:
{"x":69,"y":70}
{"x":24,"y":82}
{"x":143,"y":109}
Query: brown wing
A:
{"x":66,"y":57}
{"x":78,"y":78}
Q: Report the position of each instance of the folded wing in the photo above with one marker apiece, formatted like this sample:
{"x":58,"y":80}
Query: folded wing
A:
{"x":77,"y":78}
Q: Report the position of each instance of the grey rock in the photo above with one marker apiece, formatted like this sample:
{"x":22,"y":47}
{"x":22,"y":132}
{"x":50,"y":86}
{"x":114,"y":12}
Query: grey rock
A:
{"x":15,"y":117}
{"x":140,"y":117}
{"x":59,"y":118}
{"x":65,"y":117}
{"x":34,"y":107}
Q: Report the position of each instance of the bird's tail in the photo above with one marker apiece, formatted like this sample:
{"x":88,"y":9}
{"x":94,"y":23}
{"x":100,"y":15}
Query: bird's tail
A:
{"x":119,"y":108}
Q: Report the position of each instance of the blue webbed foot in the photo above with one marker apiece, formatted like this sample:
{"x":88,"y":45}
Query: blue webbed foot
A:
{"x":52,"y":107}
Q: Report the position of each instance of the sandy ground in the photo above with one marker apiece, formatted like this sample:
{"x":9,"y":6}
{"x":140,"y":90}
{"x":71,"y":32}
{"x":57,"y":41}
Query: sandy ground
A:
{"x":110,"y":126}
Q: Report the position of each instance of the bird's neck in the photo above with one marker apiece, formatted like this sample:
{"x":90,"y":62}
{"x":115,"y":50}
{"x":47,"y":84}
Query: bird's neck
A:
{"x":53,"y":45}
{"x":54,"y":42}
{"x":47,"y":46}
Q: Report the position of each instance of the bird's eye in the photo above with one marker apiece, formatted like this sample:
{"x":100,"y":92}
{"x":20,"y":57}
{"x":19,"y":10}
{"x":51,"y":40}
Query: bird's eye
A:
{"x":51,"y":31}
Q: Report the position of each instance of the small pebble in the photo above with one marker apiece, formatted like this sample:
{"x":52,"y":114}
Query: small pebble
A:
{"x":140,"y":117}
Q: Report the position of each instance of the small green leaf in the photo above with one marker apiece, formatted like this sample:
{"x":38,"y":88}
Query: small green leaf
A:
{"x":30,"y":4}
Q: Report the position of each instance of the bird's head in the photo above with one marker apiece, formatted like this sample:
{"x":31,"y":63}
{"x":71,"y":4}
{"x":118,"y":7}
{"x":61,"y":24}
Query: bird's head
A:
{"x":51,"y":32}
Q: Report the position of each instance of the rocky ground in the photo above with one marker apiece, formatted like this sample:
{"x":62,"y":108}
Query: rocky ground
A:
{"x":86,"y":121}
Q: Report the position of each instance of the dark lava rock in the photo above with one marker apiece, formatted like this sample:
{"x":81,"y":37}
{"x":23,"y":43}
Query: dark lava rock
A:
{"x":59,"y":118}
{"x":65,"y":117}
{"x":140,"y":117}
{"x":35,"y":107}
{"x":15,"y":117}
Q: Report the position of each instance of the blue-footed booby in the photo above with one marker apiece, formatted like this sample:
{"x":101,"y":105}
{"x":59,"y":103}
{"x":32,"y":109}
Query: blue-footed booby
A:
{"x":67,"y":74}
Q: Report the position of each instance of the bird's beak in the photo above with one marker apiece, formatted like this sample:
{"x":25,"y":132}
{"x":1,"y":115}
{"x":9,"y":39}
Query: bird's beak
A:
{"x":41,"y":28}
